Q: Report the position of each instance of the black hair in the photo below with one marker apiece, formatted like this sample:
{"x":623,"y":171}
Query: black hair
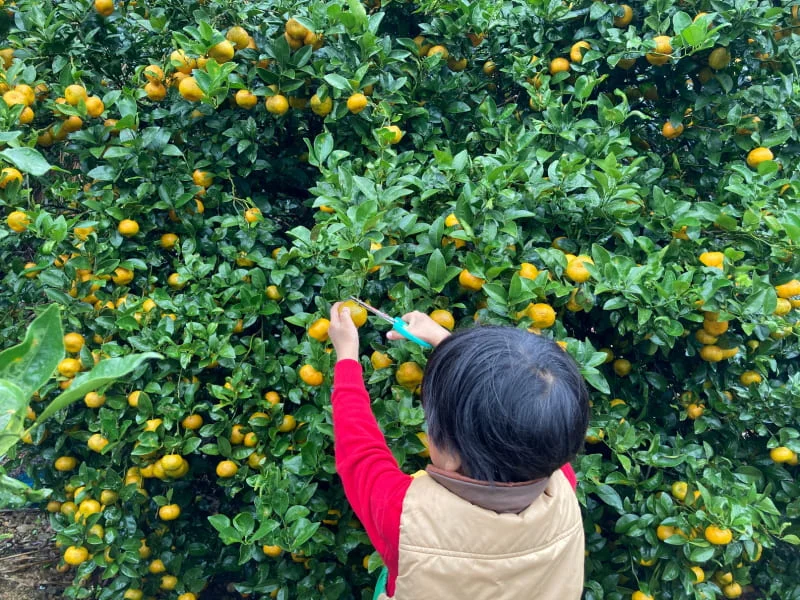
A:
{"x":513,"y":405}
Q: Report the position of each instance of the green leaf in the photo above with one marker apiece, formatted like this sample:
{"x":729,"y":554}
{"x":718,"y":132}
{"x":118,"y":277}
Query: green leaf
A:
{"x":436,"y":270}
{"x":610,"y":496}
{"x":30,"y":364}
{"x":27,"y":160}
{"x":105,"y":372}
{"x":13,"y":403}
{"x":301,"y":531}
{"x":339,"y":82}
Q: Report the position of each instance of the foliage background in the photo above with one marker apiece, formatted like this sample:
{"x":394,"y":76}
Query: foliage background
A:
{"x":534,"y":165}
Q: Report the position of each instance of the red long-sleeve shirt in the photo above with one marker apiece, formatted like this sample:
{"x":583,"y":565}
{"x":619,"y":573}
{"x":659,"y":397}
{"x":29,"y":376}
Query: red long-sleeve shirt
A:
{"x":372,"y":479}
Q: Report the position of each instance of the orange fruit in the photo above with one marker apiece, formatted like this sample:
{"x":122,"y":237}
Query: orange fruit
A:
{"x":358,"y":314}
{"x":489,"y":67}
{"x":319,"y":329}
{"x":622,"y":367}
{"x":153,"y":73}
{"x":679,"y":490}
{"x":444,"y":318}
{"x":202,"y":178}
{"x":190,"y":90}
{"x":758,"y":155}
{"x":789,"y":289}
{"x":168,"y":240}
{"x":670,"y":131}
{"x":409,"y":375}
{"x":65,"y":463}
{"x":380,"y":360}
{"x":624,"y":20}
{"x":711,"y":353}
{"x":252,"y":215}
{"x":272,"y":397}
{"x":272,"y":551}
{"x":712,"y":259}
{"x":155,"y":91}
{"x":576,"y":269}
{"x":9,"y":175}
{"x":175,"y":282}
{"x":76,"y":555}
{"x":133,"y":398}
{"x":69,"y":367}
{"x":559,"y":65}
{"x":94,"y":400}
{"x":237,"y":437}
{"x":423,"y":437}
{"x":74,"y":94}
{"x":695,"y":411}
{"x":288,"y":423}
{"x":783,"y":307}
{"x":440,"y":50}
{"x":718,"y":536}
{"x":699,"y":574}
{"x":528,"y":271}
{"x":157,"y":566}
{"x":73,"y":342}
{"x":128,"y":227}
{"x":169,"y":512}
{"x":719,"y":58}
{"x":782,"y":454}
{"x":295,"y":30}
{"x":543,"y":315}
{"x":310,"y":375}
{"x":192,"y":422}
{"x":577,"y":51}
{"x":227,"y":469}
{"x":17,"y":221}
{"x":664,"y":532}
{"x":732,"y":590}
{"x":245,"y":99}
{"x":749,"y":377}
{"x":182,"y":63}
{"x":239,"y":37}
{"x":222,"y":52}
{"x":321,"y":107}
{"x":97,"y":442}
{"x":640,"y":595}
{"x":356,"y":103}
{"x":94,"y":107}
{"x":662,"y":52}
{"x":398,"y":134}
{"x":469,"y":281}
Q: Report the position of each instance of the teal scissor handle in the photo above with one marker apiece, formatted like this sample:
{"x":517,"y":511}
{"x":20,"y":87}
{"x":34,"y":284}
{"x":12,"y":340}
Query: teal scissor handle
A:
{"x":400,"y":327}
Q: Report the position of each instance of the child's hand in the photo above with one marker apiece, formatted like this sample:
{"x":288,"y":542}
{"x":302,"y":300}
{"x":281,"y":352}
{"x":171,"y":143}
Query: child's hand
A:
{"x":343,"y":333}
{"x":422,"y":326}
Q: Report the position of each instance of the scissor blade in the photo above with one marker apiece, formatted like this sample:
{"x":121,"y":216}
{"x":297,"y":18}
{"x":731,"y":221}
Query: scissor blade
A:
{"x":373,"y":310}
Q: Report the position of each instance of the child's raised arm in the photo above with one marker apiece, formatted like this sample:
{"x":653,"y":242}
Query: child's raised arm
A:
{"x":372,"y":480}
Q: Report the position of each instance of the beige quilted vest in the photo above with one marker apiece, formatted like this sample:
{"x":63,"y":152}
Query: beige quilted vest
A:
{"x":452,"y":549}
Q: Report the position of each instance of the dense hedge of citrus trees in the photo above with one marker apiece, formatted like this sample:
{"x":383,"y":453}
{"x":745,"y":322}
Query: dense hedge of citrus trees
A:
{"x":621,"y":178}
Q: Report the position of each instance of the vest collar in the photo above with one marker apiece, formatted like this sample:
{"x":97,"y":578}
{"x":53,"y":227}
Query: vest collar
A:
{"x":498,"y":497}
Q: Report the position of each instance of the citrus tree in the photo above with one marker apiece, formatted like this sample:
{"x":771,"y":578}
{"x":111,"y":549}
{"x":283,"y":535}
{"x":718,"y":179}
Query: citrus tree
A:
{"x":620,"y":178}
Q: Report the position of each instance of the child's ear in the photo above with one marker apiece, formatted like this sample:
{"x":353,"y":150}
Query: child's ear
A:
{"x":448,"y":461}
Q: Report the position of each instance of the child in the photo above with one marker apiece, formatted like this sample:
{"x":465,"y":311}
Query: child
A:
{"x":495,"y":516}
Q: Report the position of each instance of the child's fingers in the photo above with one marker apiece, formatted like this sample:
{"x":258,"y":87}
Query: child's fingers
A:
{"x":335,"y":314}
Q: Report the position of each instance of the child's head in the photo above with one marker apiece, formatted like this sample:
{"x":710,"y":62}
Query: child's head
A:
{"x":510,"y":405}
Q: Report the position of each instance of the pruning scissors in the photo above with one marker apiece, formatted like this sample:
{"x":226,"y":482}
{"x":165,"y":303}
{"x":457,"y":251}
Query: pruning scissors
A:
{"x":398,"y":324}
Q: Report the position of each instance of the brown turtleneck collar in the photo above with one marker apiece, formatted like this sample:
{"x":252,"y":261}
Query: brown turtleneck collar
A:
{"x":499,"y":497}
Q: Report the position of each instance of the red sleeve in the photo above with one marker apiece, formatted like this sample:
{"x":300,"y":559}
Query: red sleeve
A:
{"x":372,"y":480}
{"x":569,"y":473}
